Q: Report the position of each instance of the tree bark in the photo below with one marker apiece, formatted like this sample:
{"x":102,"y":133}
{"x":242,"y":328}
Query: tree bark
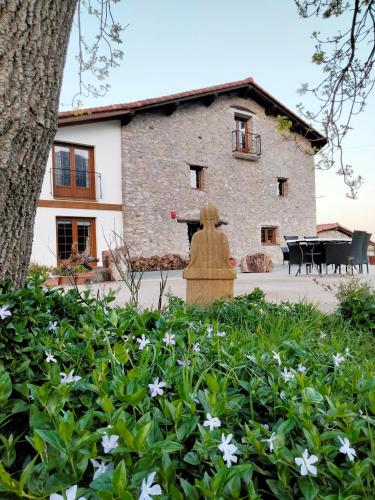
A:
{"x":34,"y":36}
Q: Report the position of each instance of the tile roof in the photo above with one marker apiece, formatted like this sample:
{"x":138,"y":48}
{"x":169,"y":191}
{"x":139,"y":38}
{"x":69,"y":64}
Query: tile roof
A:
{"x":256,"y":92}
{"x":335,"y":226}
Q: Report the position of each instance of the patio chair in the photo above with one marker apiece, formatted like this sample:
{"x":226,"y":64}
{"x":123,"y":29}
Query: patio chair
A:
{"x":311,"y":237}
{"x":365,"y":250}
{"x":287,"y":238}
{"x":297,"y":256}
{"x":285,"y":254}
{"x":337,"y":254}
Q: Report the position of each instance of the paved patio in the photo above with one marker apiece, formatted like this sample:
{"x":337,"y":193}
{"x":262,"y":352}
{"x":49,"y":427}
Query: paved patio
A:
{"x":278,"y":286}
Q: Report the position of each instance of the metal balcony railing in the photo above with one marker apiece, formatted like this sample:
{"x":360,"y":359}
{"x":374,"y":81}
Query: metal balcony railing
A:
{"x":80,"y":184}
{"x":245,"y":142}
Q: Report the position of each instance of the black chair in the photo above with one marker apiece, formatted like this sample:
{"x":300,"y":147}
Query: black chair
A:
{"x":365,"y":250}
{"x":298,"y":256}
{"x":285,"y":254}
{"x":311,"y":237}
{"x":356,"y":249}
{"x":337,"y":254}
{"x":287,"y":238}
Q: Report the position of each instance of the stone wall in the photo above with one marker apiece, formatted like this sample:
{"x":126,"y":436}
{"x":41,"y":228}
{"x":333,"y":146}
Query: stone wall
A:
{"x":157,"y":151}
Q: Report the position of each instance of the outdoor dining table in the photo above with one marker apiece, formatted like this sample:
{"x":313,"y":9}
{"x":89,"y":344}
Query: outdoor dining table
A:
{"x":317,"y":246}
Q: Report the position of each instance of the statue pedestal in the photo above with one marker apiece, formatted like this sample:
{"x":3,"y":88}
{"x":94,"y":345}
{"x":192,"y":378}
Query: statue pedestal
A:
{"x":204,"y":286}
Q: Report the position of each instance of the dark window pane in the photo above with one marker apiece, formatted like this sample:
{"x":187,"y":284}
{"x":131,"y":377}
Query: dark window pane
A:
{"x":62,"y":165}
{"x":81,"y":160}
{"x":64,"y":239}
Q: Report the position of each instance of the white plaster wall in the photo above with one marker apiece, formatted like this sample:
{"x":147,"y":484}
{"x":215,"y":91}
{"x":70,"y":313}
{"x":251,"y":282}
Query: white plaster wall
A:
{"x":105,"y":137}
{"x":44,"y":244}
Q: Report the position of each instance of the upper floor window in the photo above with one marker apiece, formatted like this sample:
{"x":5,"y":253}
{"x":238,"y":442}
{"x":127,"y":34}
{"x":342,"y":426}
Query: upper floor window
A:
{"x":282,"y":186}
{"x":196,"y":177}
{"x":269,"y":235}
{"x":73,"y":171}
{"x":242,"y":134}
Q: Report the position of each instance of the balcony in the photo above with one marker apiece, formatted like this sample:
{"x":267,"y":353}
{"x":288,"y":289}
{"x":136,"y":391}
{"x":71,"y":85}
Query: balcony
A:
{"x":245,"y":145}
{"x":77,"y":184}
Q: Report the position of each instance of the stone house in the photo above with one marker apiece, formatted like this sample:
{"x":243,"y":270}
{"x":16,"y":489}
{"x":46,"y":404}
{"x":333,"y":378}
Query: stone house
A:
{"x":145,"y":168}
{"x":335,"y":230}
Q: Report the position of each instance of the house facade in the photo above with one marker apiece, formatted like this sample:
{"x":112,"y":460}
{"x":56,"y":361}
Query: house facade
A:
{"x":145,"y":169}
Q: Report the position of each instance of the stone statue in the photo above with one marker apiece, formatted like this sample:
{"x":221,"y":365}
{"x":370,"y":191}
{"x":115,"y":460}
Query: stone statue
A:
{"x":209,"y":275}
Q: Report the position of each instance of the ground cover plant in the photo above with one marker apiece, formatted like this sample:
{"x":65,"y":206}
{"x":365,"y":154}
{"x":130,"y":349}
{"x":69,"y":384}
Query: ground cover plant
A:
{"x":242,"y":400}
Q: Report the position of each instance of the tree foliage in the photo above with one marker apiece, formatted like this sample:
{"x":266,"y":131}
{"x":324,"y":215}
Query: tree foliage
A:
{"x":347,"y":60}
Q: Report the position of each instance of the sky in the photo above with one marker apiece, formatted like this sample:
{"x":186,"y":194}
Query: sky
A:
{"x":175,"y":45}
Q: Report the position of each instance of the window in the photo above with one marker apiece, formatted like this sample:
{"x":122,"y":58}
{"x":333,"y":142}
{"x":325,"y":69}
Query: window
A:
{"x":193,"y":227}
{"x":282,"y":186}
{"x":242,"y":134}
{"x":196,"y":177}
{"x":73,"y":171}
{"x":269,"y":235}
{"x":75,"y":231}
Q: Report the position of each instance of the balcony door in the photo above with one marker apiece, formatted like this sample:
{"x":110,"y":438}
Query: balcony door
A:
{"x":73,"y":171}
{"x":72,"y":230}
{"x":242,"y":135}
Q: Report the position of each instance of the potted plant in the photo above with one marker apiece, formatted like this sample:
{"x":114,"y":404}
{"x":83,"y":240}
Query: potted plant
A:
{"x":233,"y":262}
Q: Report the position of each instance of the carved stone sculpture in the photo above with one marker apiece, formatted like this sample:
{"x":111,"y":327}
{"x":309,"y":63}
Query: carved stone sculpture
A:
{"x":209,"y":275}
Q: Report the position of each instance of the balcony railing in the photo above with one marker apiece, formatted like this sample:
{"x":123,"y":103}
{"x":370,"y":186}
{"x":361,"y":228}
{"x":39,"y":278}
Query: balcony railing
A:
{"x":245,"y":142}
{"x":80,"y":184}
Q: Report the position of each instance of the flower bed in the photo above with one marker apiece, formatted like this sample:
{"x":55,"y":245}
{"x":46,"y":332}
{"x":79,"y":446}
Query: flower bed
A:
{"x":242,"y":400}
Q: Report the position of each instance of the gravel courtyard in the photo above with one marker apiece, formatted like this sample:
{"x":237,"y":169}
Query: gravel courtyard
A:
{"x":278,"y":286}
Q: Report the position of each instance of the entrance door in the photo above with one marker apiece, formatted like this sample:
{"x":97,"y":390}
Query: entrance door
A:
{"x":75,"y":230}
{"x":192,"y":228}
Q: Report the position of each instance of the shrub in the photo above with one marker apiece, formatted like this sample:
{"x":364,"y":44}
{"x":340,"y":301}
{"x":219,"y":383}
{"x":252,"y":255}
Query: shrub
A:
{"x":36,"y":269}
{"x":357,"y":303}
{"x":215,"y":403}
{"x":64,"y":271}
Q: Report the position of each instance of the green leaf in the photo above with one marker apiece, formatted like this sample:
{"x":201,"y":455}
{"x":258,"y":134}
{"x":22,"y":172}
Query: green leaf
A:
{"x":142,"y":436}
{"x":119,"y":478}
{"x":26,"y":473}
{"x":189,"y":490}
{"x":312,"y":396}
{"x":52,"y":438}
{"x":66,"y":426}
{"x":309,"y":489}
{"x":5,"y":387}
{"x":212,"y":383}
{"x":191,"y":458}
{"x":6,"y":481}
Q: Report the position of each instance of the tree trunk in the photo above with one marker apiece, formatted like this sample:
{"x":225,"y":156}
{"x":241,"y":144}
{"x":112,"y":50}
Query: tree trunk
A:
{"x":34,"y":36}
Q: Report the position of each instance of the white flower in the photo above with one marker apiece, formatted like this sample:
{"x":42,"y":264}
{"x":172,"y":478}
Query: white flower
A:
{"x":169,"y":339}
{"x":345,"y":448}
{"x":4,"y":311}
{"x":266,"y":426}
{"x":143,"y":342}
{"x":301,"y":368}
{"x":211,"y":422}
{"x":337,"y":359}
{"x":110,"y":443}
{"x":100,"y":468}
{"x":182,"y":362}
{"x":52,"y":326}
{"x":322,"y":335}
{"x":251,"y":358}
{"x":156,"y":389}
{"x":282,"y":395}
{"x":68,"y":379}
{"x":50,"y":358}
{"x":306,"y":463}
{"x":210,"y":331}
{"x":70,"y":494}
{"x":196,"y":347}
{"x":191,"y":325}
{"x":276,"y":357}
{"x":287,"y":375}
{"x":228,"y":450}
{"x":221,"y":334}
{"x":148,"y":490}
{"x":270,"y":441}
{"x":347,"y":352}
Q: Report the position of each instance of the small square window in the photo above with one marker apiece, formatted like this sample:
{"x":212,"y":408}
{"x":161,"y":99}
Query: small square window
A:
{"x":269,"y":235}
{"x":196,"y":177}
{"x":282,"y":186}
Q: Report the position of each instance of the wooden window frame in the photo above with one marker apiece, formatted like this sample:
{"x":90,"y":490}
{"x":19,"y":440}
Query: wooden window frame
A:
{"x":238,"y":120}
{"x":266,"y":230}
{"x":282,"y":187}
{"x":74,"y":221}
{"x":199,"y":176}
{"x":74,"y":191}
